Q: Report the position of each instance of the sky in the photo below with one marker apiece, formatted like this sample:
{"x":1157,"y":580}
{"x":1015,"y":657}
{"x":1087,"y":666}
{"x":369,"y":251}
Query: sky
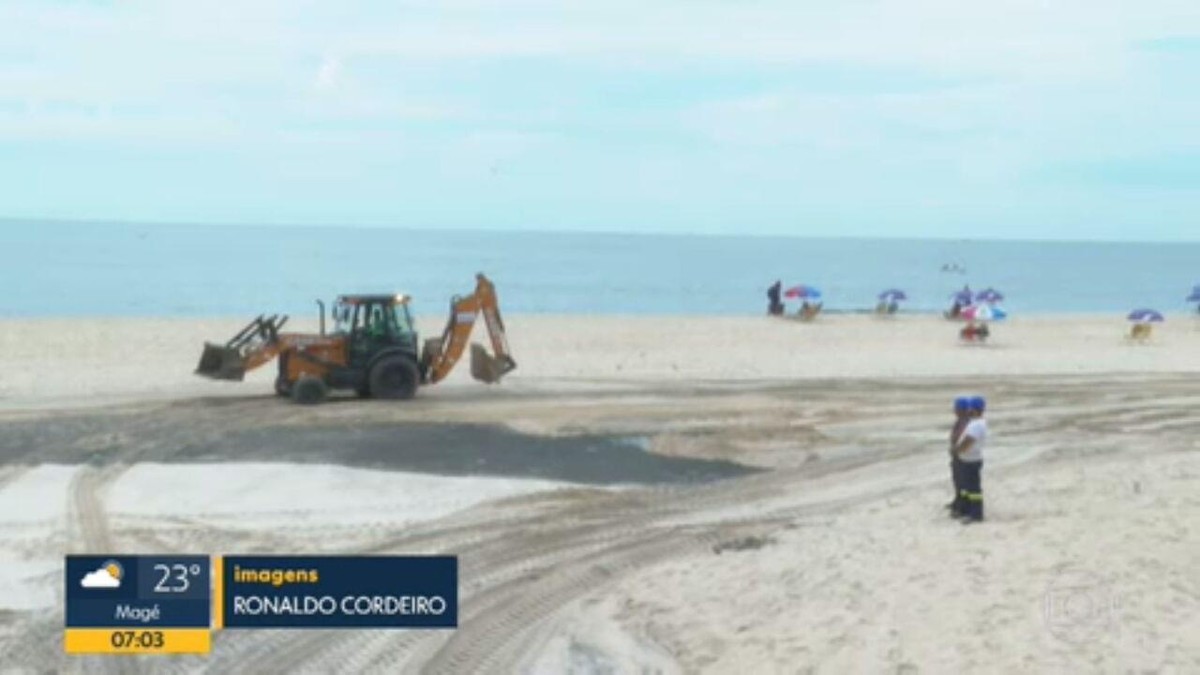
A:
{"x":1064,"y":119}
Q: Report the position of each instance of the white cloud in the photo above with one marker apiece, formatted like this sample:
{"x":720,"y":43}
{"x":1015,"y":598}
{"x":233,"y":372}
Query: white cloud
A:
{"x":1014,"y":84}
{"x":328,"y":74}
{"x":100,"y":579}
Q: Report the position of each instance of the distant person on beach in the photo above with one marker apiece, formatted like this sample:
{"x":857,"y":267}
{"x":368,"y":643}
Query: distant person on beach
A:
{"x":969,"y":450}
{"x":957,"y":308}
{"x":961,"y":418}
{"x":774,"y":299}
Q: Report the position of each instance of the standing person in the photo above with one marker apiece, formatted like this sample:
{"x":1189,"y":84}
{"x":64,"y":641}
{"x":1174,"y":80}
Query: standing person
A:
{"x":775,"y":306}
{"x":970,"y":452}
{"x":961,"y":404}
{"x":959,"y":304}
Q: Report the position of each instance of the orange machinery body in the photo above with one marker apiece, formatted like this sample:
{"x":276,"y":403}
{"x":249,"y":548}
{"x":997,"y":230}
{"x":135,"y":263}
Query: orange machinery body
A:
{"x":372,"y":350}
{"x":323,"y":350}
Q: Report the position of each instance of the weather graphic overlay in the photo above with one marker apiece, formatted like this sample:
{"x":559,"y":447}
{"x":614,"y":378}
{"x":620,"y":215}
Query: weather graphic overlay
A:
{"x":138,"y":605}
{"x":174,"y":604}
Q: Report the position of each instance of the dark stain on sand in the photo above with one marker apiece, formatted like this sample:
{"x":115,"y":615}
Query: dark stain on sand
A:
{"x":432,"y":448}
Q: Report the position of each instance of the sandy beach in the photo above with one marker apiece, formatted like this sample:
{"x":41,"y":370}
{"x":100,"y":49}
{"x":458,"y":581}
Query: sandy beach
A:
{"x":644,"y":494}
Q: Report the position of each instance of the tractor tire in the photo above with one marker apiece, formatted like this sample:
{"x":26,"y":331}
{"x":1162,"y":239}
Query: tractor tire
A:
{"x":282,"y":386}
{"x":309,"y":390}
{"x":394,"y":377}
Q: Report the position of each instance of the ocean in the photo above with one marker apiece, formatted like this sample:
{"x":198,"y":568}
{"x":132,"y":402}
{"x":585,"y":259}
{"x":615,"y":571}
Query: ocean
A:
{"x":57,"y":269}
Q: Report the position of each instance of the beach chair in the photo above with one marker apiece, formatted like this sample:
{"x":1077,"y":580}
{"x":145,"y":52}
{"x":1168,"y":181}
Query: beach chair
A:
{"x":975,"y":333}
{"x":1140,"y":332}
{"x":809,"y":311}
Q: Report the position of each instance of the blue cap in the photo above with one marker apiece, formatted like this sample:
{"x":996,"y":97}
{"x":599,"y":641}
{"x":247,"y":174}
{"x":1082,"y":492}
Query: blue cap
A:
{"x":977,"y":403}
{"x":962,"y":403}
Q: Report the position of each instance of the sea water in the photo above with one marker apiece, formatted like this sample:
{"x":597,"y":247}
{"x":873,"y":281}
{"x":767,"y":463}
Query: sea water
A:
{"x":56,"y":269}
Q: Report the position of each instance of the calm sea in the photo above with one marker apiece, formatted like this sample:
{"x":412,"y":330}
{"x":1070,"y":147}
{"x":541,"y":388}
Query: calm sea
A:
{"x":160,"y":270}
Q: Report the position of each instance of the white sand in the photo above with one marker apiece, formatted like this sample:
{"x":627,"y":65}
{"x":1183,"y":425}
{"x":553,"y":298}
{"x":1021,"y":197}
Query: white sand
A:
{"x":1101,"y":514}
{"x":254,"y":496}
{"x":319,"y":508}
{"x":1080,"y":568}
{"x":97,"y":362}
{"x":33,"y":507}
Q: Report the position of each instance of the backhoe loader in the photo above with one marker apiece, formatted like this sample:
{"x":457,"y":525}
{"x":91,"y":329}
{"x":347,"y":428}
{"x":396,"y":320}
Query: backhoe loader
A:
{"x":372,"y":348}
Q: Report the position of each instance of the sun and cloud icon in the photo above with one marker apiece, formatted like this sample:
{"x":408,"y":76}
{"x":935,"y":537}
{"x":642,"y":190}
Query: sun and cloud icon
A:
{"x":108,"y":576}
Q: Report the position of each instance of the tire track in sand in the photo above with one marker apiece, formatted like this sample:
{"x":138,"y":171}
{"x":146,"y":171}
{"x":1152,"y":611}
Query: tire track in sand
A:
{"x":89,"y":532}
{"x":510,"y":551}
{"x":88,"y":528}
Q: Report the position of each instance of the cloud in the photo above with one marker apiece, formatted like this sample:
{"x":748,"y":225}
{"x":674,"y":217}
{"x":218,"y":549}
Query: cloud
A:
{"x":100,"y":579}
{"x":701,"y":104}
{"x":328,"y":73}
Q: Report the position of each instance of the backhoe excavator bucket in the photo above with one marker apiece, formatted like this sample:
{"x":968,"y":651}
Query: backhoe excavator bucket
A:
{"x":488,"y":368}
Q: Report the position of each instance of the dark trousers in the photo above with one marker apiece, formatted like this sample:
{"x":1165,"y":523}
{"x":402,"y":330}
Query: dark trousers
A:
{"x":971,"y":480}
{"x":956,"y":505}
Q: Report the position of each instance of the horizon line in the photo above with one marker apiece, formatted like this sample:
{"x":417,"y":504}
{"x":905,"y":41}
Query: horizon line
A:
{"x":569,"y":232}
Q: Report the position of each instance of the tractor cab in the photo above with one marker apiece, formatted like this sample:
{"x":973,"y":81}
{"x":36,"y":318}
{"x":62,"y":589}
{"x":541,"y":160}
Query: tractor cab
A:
{"x":372,"y":323}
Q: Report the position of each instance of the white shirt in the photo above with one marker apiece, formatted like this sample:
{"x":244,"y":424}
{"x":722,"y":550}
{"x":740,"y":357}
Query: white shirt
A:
{"x":976,"y":429}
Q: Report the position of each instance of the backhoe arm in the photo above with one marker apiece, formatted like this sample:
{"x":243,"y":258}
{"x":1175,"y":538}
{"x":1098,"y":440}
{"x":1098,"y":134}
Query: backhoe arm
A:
{"x":442,"y":354}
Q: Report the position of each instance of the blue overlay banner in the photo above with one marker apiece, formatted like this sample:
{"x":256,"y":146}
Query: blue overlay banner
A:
{"x":339,"y":591}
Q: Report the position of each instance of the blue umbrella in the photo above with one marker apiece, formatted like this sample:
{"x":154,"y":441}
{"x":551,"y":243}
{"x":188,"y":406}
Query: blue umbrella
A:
{"x":989,"y":295}
{"x":963,"y":297}
{"x":1145,"y":316}
{"x":1195,"y":296}
{"x":892,"y":294}
{"x":803,"y":291}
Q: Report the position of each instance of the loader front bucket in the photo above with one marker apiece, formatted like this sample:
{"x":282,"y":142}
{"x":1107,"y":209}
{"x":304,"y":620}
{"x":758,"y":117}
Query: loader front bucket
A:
{"x":221,"y":363}
{"x":228,"y":361}
{"x":487,"y":368}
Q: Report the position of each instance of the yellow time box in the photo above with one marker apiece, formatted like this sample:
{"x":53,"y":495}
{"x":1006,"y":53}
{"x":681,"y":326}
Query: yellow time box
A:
{"x":137,"y":641}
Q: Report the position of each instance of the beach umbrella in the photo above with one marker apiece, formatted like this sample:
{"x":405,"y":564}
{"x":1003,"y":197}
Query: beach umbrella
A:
{"x":1145,"y":316}
{"x":1195,"y":296}
{"x":989,"y":295}
{"x":962,"y":297}
{"x":892,"y":294}
{"x":984,"y":313}
{"x":977,"y":313}
{"x":802,"y":291}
